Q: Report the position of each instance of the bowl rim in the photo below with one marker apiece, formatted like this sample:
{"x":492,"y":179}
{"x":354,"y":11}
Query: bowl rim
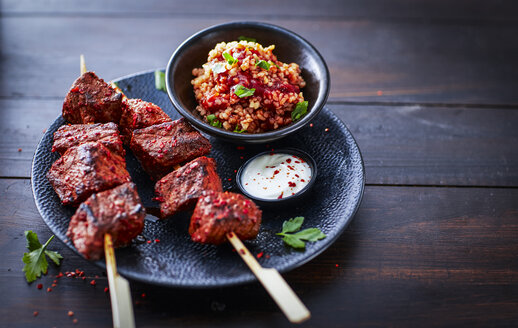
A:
{"x":269,"y":135}
{"x":287,"y":150}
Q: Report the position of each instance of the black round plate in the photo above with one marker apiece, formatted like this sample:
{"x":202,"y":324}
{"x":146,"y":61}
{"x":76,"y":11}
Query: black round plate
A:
{"x":176,"y":261}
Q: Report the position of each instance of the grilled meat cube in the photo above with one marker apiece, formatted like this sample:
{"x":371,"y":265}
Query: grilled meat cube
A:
{"x":218,"y":213}
{"x":180,"y":189}
{"x":86,"y":169}
{"x":91,"y":100}
{"x":116,"y":211}
{"x":138,"y":114}
{"x":69,"y":136}
{"x":162,"y":146}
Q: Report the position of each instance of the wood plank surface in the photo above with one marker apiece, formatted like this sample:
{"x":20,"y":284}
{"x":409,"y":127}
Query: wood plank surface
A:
{"x":411,"y":256}
{"x":401,"y":145}
{"x":499,"y":10}
{"x":376,"y":61}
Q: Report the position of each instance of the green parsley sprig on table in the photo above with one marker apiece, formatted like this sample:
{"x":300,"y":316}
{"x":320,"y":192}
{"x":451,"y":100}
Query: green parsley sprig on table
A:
{"x":296,"y":240}
{"x":35,"y":261}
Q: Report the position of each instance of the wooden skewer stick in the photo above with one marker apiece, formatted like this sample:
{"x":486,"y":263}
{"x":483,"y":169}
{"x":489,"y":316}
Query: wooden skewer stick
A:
{"x":120,"y":295}
{"x":274,"y":283}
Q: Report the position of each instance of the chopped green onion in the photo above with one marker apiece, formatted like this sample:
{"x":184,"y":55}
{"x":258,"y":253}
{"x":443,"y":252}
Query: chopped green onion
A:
{"x":242,"y":92}
{"x":213,"y":121}
{"x":300,"y":110}
{"x":160,"y":81}
{"x":277,"y":65}
{"x":244,"y":38}
{"x":231,"y":60}
{"x":219,"y":68}
{"x":263,"y":64}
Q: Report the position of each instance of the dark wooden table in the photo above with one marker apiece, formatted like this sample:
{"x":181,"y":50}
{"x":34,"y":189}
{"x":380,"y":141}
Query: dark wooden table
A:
{"x":428,"y":88}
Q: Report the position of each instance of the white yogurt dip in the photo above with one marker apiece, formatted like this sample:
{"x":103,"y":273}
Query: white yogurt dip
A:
{"x":275,"y":176}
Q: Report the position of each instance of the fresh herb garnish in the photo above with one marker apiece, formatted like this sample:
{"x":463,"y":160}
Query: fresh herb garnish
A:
{"x":242,"y":92}
{"x":277,"y":65}
{"x":300,"y":110}
{"x":296,"y":240}
{"x":35,"y":261}
{"x":160,"y":81}
{"x":213,"y":121}
{"x":263,"y":64}
{"x":219,"y":68}
{"x":231,"y":60}
{"x":244,"y":38}
{"x":236,"y":130}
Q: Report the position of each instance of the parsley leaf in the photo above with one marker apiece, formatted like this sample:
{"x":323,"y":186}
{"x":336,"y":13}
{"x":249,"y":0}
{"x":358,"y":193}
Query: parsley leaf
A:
{"x":160,"y":81}
{"x":231,"y":60}
{"x":300,"y":110}
{"x":236,"y":130}
{"x":244,"y":38}
{"x":35,"y":261}
{"x":263,"y":64}
{"x":296,"y":240}
{"x":213,"y":121}
{"x":292,"y":225}
{"x":242,"y":92}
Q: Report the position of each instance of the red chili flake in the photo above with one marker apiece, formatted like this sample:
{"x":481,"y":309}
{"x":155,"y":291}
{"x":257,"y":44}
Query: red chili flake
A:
{"x":149,"y":241}
{"x":70,"y":313}
{"x":310,"y":125}
{"x":280,"y":196}
{"x":143,"y":295}
{"x":242,"y":251}
{"x":106,"y":289}
{"x":92,"y":282}
{"x":288,"y":160}
{"x":49,"y":290}
{"x":235,"y":171}
{"x":40,"y":286}
{"x":229,"y":179}
{"x":297,"y":175}
{"x":241,"y":157}
{"x":231,"y":234}
{"x":291,"y":167}
{"x":276,"y":172}
{"x":75,"y":321}
{"x":76,"y":89}
{"x":259,"y":255}
{"x":302,"y":180}
{"x":77,"y":271}
{"x":19,"y":150}
{"x":326,"y":129}
{"x":240,"y":148}
{"x":84,"y":278}
{"x":159,"y":199}
{"x":53,"y":285}
{"x":169,"y":128}
{"x":292,"y":184}
{"x":245,"y":211}
{"x":59,"y":275}
{"x":379,"y":93}
{"x":157,"y":240}
{"x":35,"y":313}
{"x":55,"y":281}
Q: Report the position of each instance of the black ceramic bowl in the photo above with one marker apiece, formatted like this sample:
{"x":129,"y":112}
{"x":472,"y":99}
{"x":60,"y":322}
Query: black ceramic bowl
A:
{"x":289,"y":48}
{"x":286,"y":200}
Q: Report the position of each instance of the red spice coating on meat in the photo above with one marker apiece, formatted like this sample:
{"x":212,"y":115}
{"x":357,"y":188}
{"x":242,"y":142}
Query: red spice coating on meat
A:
{"x":117,"y":211}
{"x":69,"y":136}
{"x":138,"y":114}
{"x":91,"y":100}
{"x":218,"y":213}
{"x":180,"y":189}
{"x":160,"y":147}
{"x":86,"y":169}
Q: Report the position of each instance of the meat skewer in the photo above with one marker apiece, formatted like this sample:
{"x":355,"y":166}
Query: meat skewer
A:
{"x":120,"y":295}
{"x":221,"y":216}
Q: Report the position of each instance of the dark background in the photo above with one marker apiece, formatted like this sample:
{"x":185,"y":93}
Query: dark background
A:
{"x":428,"y":88}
